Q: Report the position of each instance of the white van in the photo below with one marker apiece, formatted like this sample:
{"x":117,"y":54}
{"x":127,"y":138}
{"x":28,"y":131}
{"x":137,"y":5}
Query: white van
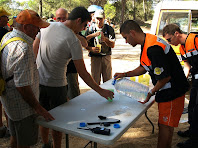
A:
{"x":182,"y":13}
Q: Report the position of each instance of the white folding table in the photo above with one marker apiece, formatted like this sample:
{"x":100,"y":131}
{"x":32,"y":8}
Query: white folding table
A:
{"x":87,"y":107}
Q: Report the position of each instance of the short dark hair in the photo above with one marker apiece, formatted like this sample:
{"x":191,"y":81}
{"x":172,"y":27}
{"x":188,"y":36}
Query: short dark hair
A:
{"x":80,"y":12}
{"x":171,"y":29}
{"x":130,"y":25}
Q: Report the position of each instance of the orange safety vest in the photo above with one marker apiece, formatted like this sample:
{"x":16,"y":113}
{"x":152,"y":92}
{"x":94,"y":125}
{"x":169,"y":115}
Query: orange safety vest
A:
{"x":189,"y":49}
{"x":152,"y":40}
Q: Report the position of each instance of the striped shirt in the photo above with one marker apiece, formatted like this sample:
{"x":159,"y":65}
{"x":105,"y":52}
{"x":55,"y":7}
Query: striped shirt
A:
{"x":18,"y":59}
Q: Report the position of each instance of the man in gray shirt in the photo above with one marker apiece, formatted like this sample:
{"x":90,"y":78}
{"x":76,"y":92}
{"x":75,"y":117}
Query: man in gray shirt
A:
{"x":58,"y":45}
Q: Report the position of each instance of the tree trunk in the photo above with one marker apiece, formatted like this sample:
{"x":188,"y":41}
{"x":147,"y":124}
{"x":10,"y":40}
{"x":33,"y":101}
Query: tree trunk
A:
{"x":40,"y":8}
{"x":134,"y":9}
{"x":122,"y":12}
{"x":145,"y":15}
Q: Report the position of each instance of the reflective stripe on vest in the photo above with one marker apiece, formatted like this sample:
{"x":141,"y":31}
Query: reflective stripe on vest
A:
{"x":189,"y":49}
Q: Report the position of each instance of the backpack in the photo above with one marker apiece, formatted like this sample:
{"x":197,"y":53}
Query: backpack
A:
{"x":2,"y":81}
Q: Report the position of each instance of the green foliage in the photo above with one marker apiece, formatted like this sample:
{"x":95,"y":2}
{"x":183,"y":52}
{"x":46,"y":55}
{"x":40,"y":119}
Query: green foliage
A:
{"x":110,"y":11}
{"x":138,"y":9}
{"x":112,"y":8}
{"x":118,"y":7}
{"x":33,"y":4}
{"x":2,"y":2}
{"x":10,"y":6}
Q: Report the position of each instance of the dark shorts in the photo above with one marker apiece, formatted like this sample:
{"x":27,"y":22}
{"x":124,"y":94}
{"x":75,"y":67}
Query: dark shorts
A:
{"x":51,"y":97}
{"x":25,"y":131}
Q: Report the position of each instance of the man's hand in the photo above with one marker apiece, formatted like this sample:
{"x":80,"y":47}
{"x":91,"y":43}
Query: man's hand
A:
{"x":43,"y":112}
{"x":95,"y":49}
{"x":119,"y":75}
{"x":106,"y":94}
{"x":97,"y":34}
{"x":149,"y":95}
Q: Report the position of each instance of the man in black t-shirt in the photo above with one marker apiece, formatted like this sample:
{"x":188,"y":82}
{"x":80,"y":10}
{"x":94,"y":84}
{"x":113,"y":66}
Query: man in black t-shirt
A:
{"x":170,"y":84}
{"x":104,"y":39}
{"x":188,"y":49}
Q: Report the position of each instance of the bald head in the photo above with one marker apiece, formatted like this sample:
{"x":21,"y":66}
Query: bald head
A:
{"x":61,"y":15}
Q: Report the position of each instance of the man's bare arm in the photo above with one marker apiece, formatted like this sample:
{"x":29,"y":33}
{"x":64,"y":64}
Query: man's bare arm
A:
{"x":28,"y":96}
{"x":36,"y":46}
{"x":87,"y":78}
{"x":136,"y":72}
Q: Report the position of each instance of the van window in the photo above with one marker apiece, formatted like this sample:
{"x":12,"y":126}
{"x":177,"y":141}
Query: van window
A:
{"x":175,"y":16}
{"x":194,"y":26}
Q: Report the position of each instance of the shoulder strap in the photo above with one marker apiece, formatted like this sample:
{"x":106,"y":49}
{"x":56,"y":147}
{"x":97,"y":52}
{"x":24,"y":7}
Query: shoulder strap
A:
{"x":107,"y":27}
{"x":11,"y":40}
{"x":6,"y":43}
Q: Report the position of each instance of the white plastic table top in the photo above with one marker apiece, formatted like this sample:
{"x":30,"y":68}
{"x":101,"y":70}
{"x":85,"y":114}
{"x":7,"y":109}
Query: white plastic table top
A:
{"x":87,"y":107}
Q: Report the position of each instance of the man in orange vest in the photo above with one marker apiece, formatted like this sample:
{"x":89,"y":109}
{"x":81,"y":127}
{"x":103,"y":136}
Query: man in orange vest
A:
{"x":170,"y":84}
{"x":189,"y":53}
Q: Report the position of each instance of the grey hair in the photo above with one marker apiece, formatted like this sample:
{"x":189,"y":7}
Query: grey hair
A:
{"x":18,"y":26}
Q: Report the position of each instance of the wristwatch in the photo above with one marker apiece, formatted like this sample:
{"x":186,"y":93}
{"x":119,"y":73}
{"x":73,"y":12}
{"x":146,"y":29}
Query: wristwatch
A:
{"x":150,"y":92}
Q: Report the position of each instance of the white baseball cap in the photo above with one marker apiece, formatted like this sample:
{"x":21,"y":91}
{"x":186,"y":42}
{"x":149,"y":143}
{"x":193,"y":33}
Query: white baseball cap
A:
{"x":99,"y":14}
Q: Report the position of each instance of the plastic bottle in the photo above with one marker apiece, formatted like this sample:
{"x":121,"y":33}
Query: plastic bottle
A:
{"x":131,"y":89}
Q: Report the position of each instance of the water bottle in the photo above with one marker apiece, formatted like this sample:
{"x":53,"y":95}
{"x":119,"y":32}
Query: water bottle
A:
{"x":131,"y":89}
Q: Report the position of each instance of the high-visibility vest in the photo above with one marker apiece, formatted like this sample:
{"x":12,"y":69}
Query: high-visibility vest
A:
{"x":189,"y":49}
{"x":152,"y":40}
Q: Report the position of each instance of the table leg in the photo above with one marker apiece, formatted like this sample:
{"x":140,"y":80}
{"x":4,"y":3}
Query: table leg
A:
{"x":95,"y":145}
{"x":66,"y":140}
{"x":150,"y":122}
{"x":90,"y":142}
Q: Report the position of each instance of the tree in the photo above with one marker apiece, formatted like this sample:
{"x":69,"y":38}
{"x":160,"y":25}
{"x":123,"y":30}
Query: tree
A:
{"x":110,"y":11}
{"x":41,"y":7}
{"x":98,"y":2}
{"x":116,"y":10}
{"x":122,"y":12}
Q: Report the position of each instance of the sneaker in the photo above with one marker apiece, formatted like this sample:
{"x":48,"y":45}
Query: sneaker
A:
{"x":188,"y":144}
{"x":184,"y":133}
{"x":7,"y":134}
{"x":48,"y":145}
{"x":2,"y":131}
{"x":185,"y":111}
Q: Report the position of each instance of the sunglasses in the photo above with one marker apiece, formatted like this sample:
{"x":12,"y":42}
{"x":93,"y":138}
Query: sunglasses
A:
{"x":169,"y":39}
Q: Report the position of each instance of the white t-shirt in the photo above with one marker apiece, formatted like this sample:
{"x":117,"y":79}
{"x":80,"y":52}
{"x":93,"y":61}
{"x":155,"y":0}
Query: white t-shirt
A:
{"x":58,"y":44}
